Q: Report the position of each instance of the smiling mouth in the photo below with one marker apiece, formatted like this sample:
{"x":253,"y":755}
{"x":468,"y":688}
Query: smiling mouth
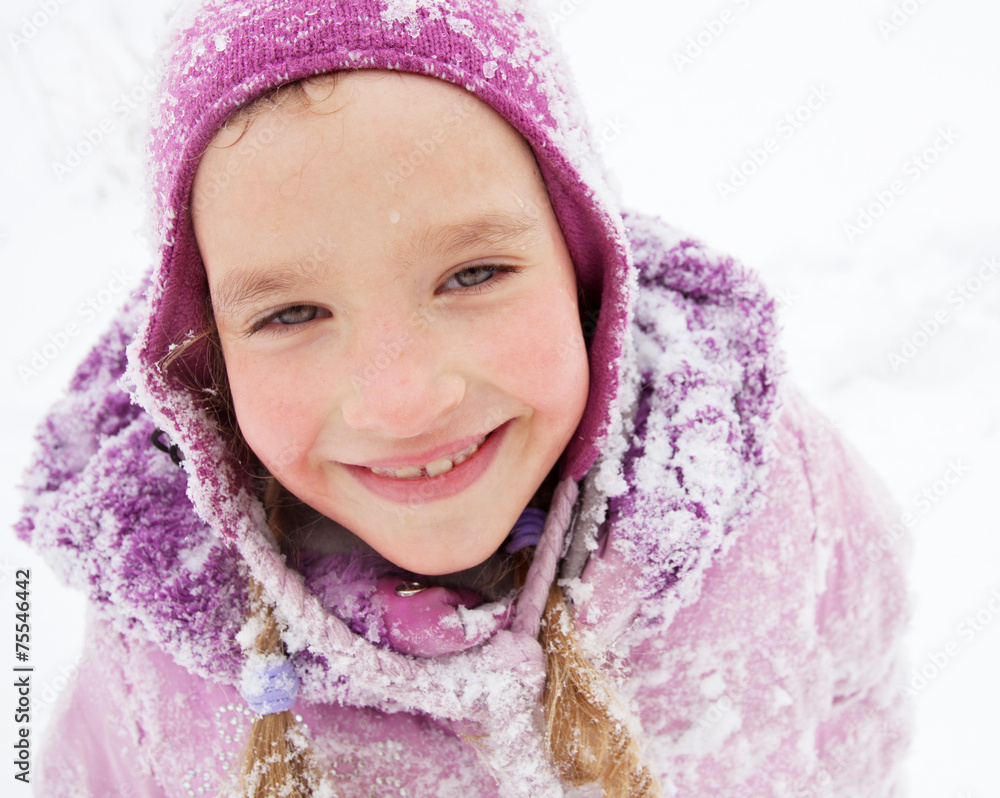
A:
{"x":436,"y":467}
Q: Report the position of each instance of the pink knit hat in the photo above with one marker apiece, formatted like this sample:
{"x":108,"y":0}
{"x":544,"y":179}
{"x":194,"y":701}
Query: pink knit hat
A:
{"x":228,"y":52}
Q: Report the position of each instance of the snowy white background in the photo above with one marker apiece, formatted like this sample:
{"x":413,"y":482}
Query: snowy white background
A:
{"x":675,"y":129}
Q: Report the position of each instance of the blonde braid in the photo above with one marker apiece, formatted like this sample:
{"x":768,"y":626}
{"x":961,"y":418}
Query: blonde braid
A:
{"x":586,"y":729}
{"x":588,"y":739}
{"x":277,"y":762}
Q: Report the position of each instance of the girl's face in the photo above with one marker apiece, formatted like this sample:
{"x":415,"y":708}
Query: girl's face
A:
{"x":392,"y":291}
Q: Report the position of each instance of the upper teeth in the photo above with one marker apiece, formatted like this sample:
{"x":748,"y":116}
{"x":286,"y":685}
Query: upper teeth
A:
{"x":435,"y":468}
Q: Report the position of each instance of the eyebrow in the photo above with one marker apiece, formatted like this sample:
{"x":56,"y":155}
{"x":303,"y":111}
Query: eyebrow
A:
{"x":245,"y":285}
{"x":495,"y":228}
{"x":249,"y":283}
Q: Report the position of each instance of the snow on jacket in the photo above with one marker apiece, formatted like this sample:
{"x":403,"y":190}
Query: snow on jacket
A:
{"x":719,"y":541}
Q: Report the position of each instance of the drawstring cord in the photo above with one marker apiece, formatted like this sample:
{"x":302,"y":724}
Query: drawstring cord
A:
{"x":531,"y":603}
{"x":167,"y":448}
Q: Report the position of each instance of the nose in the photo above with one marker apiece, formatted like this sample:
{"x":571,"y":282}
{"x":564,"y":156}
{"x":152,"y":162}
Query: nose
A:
{"x":399,"y":385}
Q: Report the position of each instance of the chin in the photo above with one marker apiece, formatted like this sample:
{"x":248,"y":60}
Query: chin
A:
{"x":441,"y":566}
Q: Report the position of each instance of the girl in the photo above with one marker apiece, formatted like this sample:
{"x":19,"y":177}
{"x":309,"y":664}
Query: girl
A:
{"x":486,"y":488}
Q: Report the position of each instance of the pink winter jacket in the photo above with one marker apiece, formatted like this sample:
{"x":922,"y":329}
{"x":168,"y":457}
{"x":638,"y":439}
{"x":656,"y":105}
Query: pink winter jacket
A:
{"x":725,"y":556}
{"x":773,"y":669}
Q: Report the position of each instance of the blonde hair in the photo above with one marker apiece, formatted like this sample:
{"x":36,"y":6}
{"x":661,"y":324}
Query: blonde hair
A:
{"x":587,"y":723}
{"x":276,"y":761}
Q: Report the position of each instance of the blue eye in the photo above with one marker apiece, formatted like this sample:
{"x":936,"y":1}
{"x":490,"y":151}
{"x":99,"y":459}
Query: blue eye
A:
{"x":297,"y":314}
{"x":291,"y":316}
{"x":476,"y":276}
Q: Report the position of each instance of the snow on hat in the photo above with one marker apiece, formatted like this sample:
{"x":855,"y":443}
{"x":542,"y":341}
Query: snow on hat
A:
{"x":224,"y":54}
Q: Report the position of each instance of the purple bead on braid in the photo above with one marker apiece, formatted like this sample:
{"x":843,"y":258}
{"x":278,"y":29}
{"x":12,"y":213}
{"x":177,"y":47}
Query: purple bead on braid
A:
{"x":527,"y":529}
{"x":269,"y":686}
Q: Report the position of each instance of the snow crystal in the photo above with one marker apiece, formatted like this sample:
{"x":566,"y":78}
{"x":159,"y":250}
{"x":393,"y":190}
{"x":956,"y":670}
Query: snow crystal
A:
{"x":193,"y":560}
{"x":247,"y":636}
{"x":406,"y":12}
{"x":578,"y":591}
{"x":780,"y":698}
{"x":713,"y":685}
{"x":459,"y":25}
{"x":490,"y":69}
{"x":481,"y":621}
{"x":221,"y":40}
{"x":718,"y":723}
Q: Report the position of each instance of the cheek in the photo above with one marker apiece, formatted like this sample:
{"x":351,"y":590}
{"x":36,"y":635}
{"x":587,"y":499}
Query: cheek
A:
{"x":278,"y":422}
{"x":538,"y":350}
